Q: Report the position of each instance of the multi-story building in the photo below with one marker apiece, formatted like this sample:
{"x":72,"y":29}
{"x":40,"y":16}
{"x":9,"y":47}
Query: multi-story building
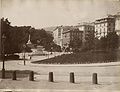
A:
{"x":103,"y":26}
{"x":64,"y":34}
{"x":57,"y":34}
{"x":117,"y":22}
{"x":70,"y":35}
{"x":88,"y":30}
{"x":117,"y":25}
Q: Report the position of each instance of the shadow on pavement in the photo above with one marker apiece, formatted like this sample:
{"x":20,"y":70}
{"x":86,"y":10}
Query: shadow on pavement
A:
{"x":19,"y":73}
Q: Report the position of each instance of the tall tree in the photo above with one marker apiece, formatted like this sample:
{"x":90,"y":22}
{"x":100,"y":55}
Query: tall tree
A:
{"x":109,"y":42}
{"x":103,"y":43}
{"x":41,"y":37}
{"x":5,"y":30}
{"x":89,"y":43}
{"x":15,"y":36}
{"x":112,"y":41}
{"x":76,"y":43}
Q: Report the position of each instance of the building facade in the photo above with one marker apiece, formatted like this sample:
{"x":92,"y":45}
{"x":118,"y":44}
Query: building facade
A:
{"x":87,"y":29}
{"x":57,"y":34}
{"x":117,"y":23}
{"x":70,"y":35}
{"x":63,"y":35}
{"x":104,"y":26}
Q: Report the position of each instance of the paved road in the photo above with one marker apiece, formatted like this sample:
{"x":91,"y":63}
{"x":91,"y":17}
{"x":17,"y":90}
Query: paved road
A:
{"x":109,"y":76}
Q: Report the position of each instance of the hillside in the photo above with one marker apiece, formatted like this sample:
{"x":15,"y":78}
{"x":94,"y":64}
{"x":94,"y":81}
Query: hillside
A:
{"x":50,"y":29}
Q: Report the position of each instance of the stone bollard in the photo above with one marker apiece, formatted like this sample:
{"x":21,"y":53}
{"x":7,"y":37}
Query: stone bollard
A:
{"x":72,"y":77}
{"x":94,"y":78}
{"x":50,"y":76}
{"x":31,"y":76}
{"x":14,"y":75}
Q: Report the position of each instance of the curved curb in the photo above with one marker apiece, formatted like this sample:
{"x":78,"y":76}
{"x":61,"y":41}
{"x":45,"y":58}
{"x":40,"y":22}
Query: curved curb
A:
{"x":74,"y":65}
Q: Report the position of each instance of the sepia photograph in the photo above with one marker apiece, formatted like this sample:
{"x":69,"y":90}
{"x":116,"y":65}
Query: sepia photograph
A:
{"x":60,"y":46}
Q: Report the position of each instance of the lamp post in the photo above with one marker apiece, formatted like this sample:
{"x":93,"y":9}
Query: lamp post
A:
{"x":3,"y":55}
{"x":48,"y":54}
{"x":51,"y":50}
{"x":24,"y":46}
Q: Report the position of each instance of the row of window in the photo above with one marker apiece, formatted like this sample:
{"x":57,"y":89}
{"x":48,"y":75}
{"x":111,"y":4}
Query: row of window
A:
{"x":104,"y":24}
{"x":104,"y":29}
{"x":89,"y":28}
{"x":79,"y":37}
{"x":99,"y":25}
{"x":102,"y":34}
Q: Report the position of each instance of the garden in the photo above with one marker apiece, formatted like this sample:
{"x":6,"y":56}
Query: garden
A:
{"x":83,"y":58}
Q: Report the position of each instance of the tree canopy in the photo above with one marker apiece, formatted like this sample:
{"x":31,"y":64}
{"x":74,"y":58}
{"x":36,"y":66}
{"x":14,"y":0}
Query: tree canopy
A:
{"x":17,"y":36}
{"x":109,"y":42}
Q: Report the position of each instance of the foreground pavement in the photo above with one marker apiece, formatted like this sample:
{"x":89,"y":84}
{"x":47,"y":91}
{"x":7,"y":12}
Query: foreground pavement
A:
{"x":108,"y":77}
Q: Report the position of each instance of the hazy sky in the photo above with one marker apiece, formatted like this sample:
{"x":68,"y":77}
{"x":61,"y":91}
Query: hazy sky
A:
{"x":44,"y":13}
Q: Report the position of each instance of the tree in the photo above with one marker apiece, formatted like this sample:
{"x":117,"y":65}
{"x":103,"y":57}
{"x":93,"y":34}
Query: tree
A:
{"x":15,"y":37}
{"x":56,"y":47}
{"x":103,"y":43}
{"x":5,"y":30}
{"x":89,"y":43}
{"x":112,"y":41}
{"x":75,"y":44}
{"x":109,"y":42}
{"x":41,"y":37}
{"x":96,"y":44}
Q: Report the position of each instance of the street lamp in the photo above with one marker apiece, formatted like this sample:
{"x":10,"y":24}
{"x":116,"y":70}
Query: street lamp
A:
{"x":24,"y":46}
{"x":51,"y":50}
{"x":3,"y":55}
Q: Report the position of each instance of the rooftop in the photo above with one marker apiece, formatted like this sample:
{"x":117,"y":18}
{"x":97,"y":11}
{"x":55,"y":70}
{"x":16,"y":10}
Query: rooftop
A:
{"x":107,"y":18}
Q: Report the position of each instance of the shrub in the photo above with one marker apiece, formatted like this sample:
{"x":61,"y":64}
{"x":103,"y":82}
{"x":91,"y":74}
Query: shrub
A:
{"x":12,"y":57}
